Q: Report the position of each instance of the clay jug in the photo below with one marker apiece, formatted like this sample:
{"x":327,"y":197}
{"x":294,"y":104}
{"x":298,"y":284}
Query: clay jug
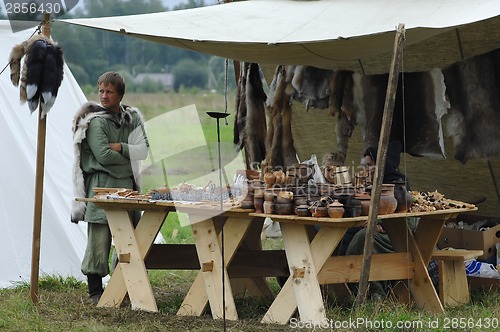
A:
{"x":336,"y":209}
{"x":388,"y":202}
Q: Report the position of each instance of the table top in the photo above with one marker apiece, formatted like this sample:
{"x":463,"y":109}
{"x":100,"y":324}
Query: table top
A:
{"x":193,"y":207}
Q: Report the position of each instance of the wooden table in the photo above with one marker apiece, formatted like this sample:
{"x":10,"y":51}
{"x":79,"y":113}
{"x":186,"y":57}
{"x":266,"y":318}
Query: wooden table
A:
{"x":311,"y":262}
{"x":136,"y":251}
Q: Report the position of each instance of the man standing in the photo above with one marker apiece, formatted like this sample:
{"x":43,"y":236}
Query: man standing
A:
{"x":110,"y":140}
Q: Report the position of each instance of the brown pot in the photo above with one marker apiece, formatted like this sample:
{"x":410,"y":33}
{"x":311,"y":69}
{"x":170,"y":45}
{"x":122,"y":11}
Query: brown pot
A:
{"x":365,"y":201}
{"x":284,"y":208}
{"x":336,"y":210}
{"x":247,"y":203}
{"x":388,"y":203}
{"x":319,"y":211}
{"x":302,"y":210}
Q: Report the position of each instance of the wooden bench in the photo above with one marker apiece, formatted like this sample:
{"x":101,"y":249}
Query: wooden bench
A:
{"x":453,"y":286}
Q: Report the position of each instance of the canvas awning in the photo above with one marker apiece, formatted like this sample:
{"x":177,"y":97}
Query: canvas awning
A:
{"x":334,"y":34}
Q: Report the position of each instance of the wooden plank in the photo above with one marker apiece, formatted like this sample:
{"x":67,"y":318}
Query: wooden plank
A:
{"x":420,"y":286}
{"x":345,"y":269}
{"x":322,"y":247}
{"x":209,"y":250}
{"x":458,"y":254}
{"x":196,"y":300}
{"x":134,"y":272}
{"x":453,"y":287}
{"x":427,"y":235}
{"x":145,"y":233}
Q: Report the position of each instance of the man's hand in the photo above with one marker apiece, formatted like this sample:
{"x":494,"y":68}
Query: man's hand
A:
{"x":115,"y":146}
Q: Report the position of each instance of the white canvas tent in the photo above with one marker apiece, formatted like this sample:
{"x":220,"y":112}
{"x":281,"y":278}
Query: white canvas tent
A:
{"x":335,"y":34}
{"x":62,"y":243}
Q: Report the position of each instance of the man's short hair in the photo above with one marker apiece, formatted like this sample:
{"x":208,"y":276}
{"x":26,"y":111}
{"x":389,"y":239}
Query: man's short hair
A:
{"x":112,"y":77}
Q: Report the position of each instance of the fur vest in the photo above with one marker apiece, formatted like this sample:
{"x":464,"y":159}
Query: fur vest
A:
{"x":81,"y":121}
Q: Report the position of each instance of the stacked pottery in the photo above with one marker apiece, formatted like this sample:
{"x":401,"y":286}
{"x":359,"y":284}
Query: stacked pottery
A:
{"x":247,"y":202}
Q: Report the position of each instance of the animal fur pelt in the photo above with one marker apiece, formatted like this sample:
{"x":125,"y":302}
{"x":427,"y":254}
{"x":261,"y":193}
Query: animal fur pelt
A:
{"x":81,"y":121}
{"x":312,"y":86}
{"x":239,"y":132}
{"x":417,"y":115}
{"x":42,"y":71}
{"x":281,"y":151}
{"x":473,"y":88}
{"x":255,"y":127}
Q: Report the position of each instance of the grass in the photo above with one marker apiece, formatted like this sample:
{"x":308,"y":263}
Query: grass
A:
{"x":63,"y":304}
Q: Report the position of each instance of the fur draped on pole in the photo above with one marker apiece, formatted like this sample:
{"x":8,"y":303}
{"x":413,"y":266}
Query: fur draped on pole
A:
{"x":42,"y":72}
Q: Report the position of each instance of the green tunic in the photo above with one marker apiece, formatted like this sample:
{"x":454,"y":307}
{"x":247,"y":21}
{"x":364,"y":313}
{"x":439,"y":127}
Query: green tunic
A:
{"x":103,"y":167}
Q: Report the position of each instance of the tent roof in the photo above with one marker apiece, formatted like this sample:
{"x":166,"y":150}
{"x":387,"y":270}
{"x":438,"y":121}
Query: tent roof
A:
{"x":335,"y":34}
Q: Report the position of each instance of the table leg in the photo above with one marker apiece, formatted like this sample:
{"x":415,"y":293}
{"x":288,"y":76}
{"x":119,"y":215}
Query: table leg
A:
{"x":143,"y":235}
{"x":420,"y":285}
{"x":210,"y":276}
{"x":317,"y":253}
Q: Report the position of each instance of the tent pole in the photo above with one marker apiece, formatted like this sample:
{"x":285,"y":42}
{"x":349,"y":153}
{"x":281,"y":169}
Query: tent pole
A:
{"x":381,"y":158}
{"x":40,"y":164}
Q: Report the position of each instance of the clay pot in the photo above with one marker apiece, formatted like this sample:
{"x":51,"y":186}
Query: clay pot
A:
{"x":286,"y":194}
{"x":300,"y":200}
{"x":365,"y":200}
{"x":259,"y":192}
{"x":268,"y":207}
{"x":280,"y":177}
{"x":336,"y":210}
{"x":247,"y":203}
{"x":269,"y":179}
{"x":302,"y":210}
{"x":388,"y":202}
{"x":250,"y":174}
{"x":319,"y":211}
{"x":284,"y":208}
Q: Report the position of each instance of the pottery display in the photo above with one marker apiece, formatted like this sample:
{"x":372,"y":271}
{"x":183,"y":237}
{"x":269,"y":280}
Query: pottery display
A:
{"x":388,"y":202}
{"x":365,"y":201}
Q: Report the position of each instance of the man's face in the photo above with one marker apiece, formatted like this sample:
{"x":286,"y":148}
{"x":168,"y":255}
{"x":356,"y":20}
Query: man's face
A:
{"x":109,"y":97}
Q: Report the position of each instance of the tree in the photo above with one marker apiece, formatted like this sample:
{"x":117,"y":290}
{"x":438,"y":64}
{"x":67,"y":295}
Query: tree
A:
{"x":189,"y":73}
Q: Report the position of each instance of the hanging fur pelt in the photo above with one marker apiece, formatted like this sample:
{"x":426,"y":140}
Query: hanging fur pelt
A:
{"x":473,"y":88}
{"x":239,"y":132}
{"x":42,"y":71}
{"x":312,"y":86}
{"x":282,"y":152}
{"x":255,"y":127}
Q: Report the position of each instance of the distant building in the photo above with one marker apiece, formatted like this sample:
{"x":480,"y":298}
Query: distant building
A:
{"x":164,"y":78}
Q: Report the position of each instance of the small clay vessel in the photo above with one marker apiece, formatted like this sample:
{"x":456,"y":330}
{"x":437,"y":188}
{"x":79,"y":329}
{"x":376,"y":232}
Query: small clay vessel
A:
{"x":388,"y":202}
{"x":269,"y":179}
{"x":365,"y":200}
{"x":302,"y":210}
{"x":336,"y":209}
{"x":258,"y":204}
{"x":284,"y":209}
{"x":319,"y":211}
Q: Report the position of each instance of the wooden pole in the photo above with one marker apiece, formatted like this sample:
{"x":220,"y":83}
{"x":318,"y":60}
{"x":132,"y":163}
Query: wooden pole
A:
{"x":381,"y":157}
{"x":40,"y":165}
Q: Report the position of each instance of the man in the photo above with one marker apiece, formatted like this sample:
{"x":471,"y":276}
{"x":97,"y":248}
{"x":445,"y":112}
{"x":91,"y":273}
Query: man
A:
{"x":381,"y":243}
{"x":109,"y":142}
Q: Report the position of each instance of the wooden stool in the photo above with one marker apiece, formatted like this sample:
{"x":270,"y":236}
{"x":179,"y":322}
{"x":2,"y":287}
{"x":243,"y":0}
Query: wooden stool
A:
{"x":453,"y":287}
